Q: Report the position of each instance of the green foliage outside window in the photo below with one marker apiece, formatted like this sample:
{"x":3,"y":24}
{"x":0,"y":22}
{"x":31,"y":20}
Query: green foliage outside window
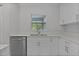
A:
{"x":37,"y":26}
{"x":38,"y":23}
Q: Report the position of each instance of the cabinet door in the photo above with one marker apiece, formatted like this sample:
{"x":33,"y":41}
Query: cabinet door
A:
{"x":74,"y":49}
{"x":49,"y":46}
{"x":63,"y":49}
{"x":33,"y":45}
{"x":68,"y":48}
{"x":44,"y":46}
{"x":54,"y":41}
{"x":68,"y":13}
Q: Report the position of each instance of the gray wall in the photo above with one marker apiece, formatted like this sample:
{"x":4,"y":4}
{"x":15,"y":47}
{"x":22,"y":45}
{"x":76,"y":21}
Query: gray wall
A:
{"x":16,"y":19}
{"x":50,"y":10}
{"x":8,"y":21}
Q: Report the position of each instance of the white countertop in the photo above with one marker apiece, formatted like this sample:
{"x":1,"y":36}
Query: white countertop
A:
{"x":2,"y":46}
{"x":34,"y":35}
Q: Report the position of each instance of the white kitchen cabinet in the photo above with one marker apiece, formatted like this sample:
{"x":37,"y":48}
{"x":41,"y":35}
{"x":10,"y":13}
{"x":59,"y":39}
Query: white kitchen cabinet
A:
{"x":74,"y":49}
{"x":38,"y":46}
{"x":64,"y":47}
{"x":68,"y":48}
{"x":4,"y":50}
{"x":33,"y":46}
{"x":54,"y":46}
{"x":62,"y":51}
{"x":51,"y":46}
{"x":42,"y":46}
{"x":71,"y":48}
{"x":48,"y":46}
{"x":69,"y":13}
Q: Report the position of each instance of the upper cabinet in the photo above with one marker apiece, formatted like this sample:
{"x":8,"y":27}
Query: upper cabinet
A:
{"x":69,"y":13}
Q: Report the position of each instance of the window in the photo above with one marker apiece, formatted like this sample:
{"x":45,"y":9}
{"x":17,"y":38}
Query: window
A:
{"x":38,"y":23}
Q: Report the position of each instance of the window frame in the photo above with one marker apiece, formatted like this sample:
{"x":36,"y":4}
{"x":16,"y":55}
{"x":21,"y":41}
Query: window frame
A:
{"x":45,"y":21}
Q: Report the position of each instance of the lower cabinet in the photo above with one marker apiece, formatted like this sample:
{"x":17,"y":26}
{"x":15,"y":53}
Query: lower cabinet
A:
{"x":5,"y":52}
{"x":42,"y":46}
{"x":51,"y":46}
{"x":62,"y":50}
{"x":68,"y":48}
{"x":33,"y":46}
{"x":74,"y":49}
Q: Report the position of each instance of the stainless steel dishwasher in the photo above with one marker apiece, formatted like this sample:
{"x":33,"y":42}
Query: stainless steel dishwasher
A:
{"x":18,"y":45}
